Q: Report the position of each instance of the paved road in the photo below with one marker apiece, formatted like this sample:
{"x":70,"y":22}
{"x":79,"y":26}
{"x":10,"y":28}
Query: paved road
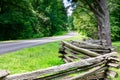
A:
{"x":6,"y":47}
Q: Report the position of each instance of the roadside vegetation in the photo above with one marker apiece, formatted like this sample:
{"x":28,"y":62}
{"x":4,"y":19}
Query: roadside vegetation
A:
{"x":33,"y":58}
{"x":30,"y":59}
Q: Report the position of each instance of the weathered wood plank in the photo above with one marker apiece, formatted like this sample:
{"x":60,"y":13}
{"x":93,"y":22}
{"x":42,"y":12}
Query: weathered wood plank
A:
{"x":65,"y":60}
{"x":4,"y":73}
{"x":71,"y":50}
{"x":90,"y":72}
{"x":100,"y":50}
{"x":100,"y":42}
{"x":96,"y":76}
{"x":115,"y":65}
{"x":84,"y":51}
{"x":68,"y":58}
{"x":114,"y":59}
{"x":64,"y":75}
{"x":112,"y":74}
{"x":77,"y":53}
{"x":81,"y":63}
{"x":88,"y":45}
{"x":72,"y":54}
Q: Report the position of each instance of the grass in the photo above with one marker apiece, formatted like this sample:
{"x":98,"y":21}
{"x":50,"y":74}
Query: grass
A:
{"x":60,"y":33}
{"x":117,"y":47}
{"x":33,"y":58}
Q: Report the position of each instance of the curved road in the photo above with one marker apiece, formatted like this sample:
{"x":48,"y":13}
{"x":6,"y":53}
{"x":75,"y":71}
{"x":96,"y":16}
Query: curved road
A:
{"x":6,"y":47}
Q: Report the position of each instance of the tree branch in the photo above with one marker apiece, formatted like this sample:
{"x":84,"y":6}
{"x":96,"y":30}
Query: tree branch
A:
{"x":87,"y":12}
{"x":100,"y":6}
{"x":97,"y":13}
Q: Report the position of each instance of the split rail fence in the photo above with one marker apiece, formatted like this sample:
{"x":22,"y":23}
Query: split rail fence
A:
{"x":82,"y":50}
{"x":85,"y":60}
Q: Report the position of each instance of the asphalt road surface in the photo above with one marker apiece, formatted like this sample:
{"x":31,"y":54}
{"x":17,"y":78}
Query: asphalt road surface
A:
{"x":11,"y":46}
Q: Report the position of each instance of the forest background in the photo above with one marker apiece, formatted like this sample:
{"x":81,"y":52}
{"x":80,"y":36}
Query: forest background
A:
{"x":25,"y":19}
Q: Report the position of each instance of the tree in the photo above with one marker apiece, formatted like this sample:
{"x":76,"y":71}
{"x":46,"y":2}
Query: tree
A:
{"x":16,"y":20}
{"x":31,"y":18}
{"x":100,"y":10}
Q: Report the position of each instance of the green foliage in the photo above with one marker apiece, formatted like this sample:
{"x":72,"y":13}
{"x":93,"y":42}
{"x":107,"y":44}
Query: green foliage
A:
{"x":57,"y":15}
{"x":85,"y":24}
{"x":15,"y":25}
{"x":70,"y":23}
{"x":21,"y":19}
{"x":115,"y":20}
{"x":60,"y":33}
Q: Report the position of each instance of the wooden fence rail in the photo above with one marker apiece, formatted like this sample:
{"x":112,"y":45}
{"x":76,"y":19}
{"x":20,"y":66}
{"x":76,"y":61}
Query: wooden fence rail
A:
{"x":80,"y":50}
{"x":78,"y":65}
{"x":83,"y":69}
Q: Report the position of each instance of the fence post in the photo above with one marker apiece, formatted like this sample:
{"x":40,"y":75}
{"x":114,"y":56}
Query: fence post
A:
{"x":111,"y":62}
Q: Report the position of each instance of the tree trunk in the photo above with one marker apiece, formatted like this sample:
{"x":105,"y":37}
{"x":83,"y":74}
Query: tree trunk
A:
{"x":103,"y":23}
{"x":100,"y":9}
